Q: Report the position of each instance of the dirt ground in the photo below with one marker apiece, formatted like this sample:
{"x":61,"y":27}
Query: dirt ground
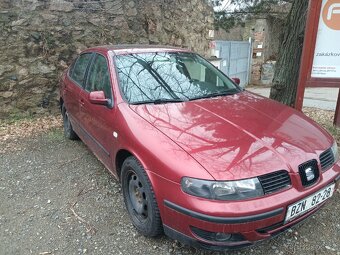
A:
{"x":57,"y":198}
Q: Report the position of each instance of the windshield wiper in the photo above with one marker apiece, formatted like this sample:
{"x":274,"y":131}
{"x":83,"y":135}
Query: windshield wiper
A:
{"x":159,"y":101}
{"x":216,"y":94}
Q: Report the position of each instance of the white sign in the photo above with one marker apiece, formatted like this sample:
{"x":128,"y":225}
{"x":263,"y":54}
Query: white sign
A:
{"x":211,"y":33}
{"x":326,"y":62}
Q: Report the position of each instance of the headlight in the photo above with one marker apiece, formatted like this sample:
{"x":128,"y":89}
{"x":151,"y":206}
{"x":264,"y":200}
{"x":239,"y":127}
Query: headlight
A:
{"x":335,"y":151}
{"x":222,"y":190}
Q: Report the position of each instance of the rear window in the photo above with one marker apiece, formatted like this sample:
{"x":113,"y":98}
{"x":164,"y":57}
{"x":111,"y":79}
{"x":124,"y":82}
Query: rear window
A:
{"x":79,"y":68}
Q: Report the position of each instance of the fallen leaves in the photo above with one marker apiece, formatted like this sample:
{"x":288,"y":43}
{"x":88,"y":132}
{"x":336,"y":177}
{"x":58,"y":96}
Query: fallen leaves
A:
{"x":28,"y":127}
{"x":10,"y":133}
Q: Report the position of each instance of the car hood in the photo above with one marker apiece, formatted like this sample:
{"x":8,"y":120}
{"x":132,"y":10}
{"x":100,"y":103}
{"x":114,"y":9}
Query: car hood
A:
{"x":239,"y":136}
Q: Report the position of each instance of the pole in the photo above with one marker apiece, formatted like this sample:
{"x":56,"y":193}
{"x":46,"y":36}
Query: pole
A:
{"x":306,"y":63}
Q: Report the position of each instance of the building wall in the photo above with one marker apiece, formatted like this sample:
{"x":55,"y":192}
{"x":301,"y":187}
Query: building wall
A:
{"x":39,"y":39}
{"x":266,"y":38}
{"x":234,"y":34}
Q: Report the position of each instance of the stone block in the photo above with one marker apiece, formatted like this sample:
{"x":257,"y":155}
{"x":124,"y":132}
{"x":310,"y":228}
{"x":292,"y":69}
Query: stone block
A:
{"x":6,"y":94}
{"x":18,"y":22}
{"x":267,"y":72}
{"x":6,"y":68}
{"x":40,"y":68}
{"x":61,"y":6}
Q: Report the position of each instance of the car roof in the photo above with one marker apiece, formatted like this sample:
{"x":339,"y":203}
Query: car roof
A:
{"x":136,"y":48}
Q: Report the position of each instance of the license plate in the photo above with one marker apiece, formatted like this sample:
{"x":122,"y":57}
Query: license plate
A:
{"x":304,"y":205}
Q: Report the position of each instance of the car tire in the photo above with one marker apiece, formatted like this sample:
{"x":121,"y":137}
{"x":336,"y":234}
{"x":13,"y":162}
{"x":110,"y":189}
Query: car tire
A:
{"x":68,"y":129}
{"x":140,"y":199}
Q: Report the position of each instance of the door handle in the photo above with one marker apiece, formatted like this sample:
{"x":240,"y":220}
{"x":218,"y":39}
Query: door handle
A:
{"x":81,"y":101}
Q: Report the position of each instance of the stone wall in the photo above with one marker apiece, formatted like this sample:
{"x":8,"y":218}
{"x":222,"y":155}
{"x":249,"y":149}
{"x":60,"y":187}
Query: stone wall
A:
{"x":39,"y":39}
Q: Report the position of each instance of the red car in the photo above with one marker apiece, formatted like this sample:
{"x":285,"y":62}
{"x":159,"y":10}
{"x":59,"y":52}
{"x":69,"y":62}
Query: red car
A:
{"x":199,"y":158}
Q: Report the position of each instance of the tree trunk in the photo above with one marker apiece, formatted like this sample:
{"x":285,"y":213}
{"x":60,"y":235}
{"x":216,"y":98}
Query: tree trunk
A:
{"x":287,"y":68}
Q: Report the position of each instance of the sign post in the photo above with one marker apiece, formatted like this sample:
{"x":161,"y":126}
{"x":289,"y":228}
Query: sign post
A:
{"x":320,"y":64}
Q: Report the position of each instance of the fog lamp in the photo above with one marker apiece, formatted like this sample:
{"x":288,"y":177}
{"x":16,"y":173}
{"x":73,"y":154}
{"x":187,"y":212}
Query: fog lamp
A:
{"x":222,"y":237}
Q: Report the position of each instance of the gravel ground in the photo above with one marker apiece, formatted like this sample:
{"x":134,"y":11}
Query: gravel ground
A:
{"x":57,"y":198}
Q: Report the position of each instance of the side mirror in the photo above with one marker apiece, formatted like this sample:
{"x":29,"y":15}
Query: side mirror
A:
{"x":236,"y":80}
{"x":98,"y":97}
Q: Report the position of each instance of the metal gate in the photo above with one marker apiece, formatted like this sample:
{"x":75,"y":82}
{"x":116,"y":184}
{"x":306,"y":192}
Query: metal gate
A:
{"x":235,"y":59}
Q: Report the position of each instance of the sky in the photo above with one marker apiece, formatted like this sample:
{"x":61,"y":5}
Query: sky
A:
{"x":226,"y":5}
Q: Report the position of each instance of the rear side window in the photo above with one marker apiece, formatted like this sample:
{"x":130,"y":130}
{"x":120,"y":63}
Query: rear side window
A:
{"x":79,"y":68}
{"x":99,"y":78}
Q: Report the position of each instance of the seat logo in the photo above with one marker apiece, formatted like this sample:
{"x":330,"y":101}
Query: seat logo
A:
{"x":309,"y":173}
{"x":331,"y":14}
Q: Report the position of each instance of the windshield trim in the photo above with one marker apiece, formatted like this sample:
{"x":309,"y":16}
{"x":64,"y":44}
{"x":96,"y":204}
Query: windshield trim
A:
{"x":222,"y":93}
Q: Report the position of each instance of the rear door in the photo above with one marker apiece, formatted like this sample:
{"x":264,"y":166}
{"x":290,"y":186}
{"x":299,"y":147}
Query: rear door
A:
{"x":100,"y":120}
{"x":74,"y":85}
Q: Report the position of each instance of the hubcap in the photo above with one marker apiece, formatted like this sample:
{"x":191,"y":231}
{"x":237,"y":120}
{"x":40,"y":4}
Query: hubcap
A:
{"x":138,"y":197}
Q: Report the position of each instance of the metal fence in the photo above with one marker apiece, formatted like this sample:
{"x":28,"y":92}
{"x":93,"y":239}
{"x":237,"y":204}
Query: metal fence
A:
{"x":235,"y":59}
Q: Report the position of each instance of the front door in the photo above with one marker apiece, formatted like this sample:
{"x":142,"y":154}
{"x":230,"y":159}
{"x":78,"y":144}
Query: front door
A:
{"x":99,"y":119}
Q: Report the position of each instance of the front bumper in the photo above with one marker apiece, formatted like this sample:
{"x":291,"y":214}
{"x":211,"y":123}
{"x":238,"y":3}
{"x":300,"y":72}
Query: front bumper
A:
{"x":255,"y":220}
{"x":259,"y":234}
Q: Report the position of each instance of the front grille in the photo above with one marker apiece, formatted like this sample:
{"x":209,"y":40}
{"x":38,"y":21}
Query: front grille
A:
{"x":309,"y":172}
{"x":275,"y":181}
{"x":326,"y":159}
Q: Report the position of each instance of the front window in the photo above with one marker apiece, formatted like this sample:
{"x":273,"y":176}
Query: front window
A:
{"x":167,"y":77}
{"x":99,"y":78}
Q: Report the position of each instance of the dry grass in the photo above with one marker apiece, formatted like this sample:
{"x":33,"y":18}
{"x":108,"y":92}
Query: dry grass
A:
{"x":325,"y":119}
{"x":12,"y":131}
{"x":28,"y":127}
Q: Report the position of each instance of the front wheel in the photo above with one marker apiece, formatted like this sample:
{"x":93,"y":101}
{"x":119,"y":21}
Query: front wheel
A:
{"x":139,"y":198}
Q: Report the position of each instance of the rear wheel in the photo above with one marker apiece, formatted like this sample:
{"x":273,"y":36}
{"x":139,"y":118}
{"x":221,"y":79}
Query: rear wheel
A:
{"x":68,"y":129}
{"x":139,"y":198}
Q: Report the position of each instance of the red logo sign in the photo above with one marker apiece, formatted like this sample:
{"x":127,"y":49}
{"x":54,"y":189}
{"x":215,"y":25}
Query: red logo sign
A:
{"x":331,"y":14}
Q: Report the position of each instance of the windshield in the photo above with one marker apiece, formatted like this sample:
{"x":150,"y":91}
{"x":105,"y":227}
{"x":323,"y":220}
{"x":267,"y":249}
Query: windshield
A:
{"x":170,"y":77}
